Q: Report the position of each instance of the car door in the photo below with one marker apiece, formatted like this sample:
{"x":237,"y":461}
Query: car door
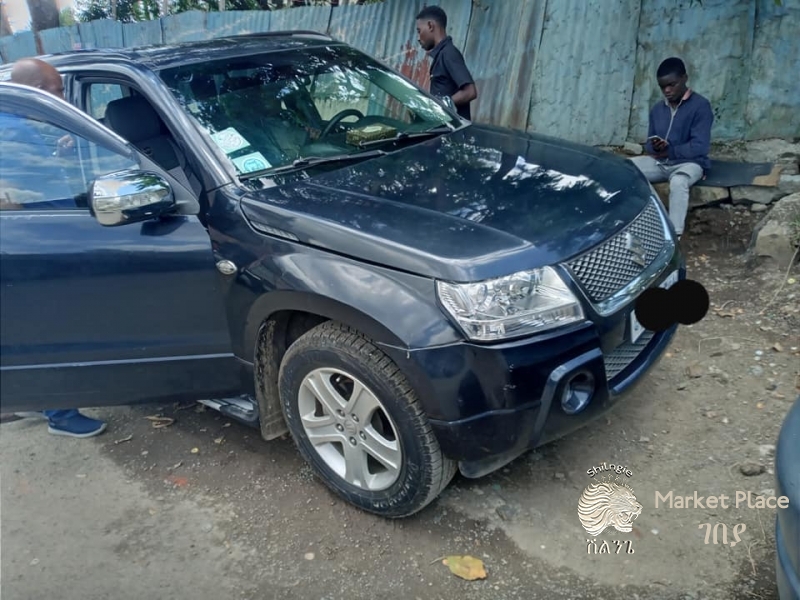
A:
{"x":94,"y":315}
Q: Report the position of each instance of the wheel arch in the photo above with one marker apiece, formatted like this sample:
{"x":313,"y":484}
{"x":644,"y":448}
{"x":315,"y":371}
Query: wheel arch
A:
{"x":275,"y":322}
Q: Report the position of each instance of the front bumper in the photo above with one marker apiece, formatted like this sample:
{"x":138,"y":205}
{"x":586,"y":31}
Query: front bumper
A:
{"x":488,"y":404}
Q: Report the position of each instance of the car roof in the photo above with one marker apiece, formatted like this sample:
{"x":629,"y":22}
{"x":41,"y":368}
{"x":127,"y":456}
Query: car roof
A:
{"x":161,"y":56}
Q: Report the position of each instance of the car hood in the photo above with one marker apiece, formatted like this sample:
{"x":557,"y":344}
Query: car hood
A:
{"x":477,"y":203}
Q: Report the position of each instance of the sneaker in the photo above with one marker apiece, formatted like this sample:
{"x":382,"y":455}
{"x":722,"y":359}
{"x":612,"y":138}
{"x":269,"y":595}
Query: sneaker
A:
{"x":31,"y":415}
{"x":78,"y":426}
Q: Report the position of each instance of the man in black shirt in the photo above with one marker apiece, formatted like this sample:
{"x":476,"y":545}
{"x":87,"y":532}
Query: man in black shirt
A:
{"x":449,"y":74}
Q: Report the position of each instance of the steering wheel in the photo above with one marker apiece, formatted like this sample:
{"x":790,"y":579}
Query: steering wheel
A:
{"x":348,"y":112}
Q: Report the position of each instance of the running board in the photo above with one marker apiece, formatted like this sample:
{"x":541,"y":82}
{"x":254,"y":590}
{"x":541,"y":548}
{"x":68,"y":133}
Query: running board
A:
{"x":242,"y":408}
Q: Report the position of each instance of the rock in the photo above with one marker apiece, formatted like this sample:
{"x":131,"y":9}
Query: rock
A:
{"x":790,"y":167}
{"x":632,"y":148}
{"x":751,"y":469}
{"x":757,"y":371}
{"x":757,"y":208}
{"x":506,"y":512}
{"x":768,"y":492}
{"x":771,"y":386}
{"x":700,"y":195}
{"x":681,"y":386}
{"x":775,"y":150}
{"x":560,"y":476}
{"x":766,"y":450}
{"x":754,"y":193}
{"x":789,"y":184}
{"x":774,"y":241}
{"x":773,"y":236}
{"x":786,"y":209}
{"x":694,"y":371}
{"x":721,"y":376}
{"x":644,"y":439}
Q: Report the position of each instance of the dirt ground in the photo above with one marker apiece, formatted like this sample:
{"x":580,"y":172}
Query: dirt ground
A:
{"x":244,"y":518}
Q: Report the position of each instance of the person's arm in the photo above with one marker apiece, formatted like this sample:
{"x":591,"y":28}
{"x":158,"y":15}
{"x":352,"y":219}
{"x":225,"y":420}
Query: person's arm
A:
{"x":465,"y":95}
{"x":699,"y":143}
{"x":459,"y":73}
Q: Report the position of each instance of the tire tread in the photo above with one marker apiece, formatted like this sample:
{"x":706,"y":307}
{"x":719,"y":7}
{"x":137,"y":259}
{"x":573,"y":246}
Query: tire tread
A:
{"x":442,"y":469}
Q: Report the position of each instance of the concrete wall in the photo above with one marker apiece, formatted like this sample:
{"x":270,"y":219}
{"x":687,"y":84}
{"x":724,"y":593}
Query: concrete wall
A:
{"x":577,"y":69}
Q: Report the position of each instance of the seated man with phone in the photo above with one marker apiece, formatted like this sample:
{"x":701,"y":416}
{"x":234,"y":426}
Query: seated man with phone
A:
{"x":679,"y":139}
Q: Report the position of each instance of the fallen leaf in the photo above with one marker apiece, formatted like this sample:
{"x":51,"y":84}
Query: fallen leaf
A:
{"x":465,"y":567}
{"x":178,"y":481}
{"x":125,"y":439}
{"x":195,"y":450}
{"x":160,"y":422}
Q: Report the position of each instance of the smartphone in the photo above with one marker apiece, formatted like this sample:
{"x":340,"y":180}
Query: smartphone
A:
{"x":656,"y":137}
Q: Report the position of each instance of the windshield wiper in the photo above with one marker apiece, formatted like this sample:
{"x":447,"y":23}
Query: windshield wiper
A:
{"x":311,"y":161}
{"x":403,"y":135}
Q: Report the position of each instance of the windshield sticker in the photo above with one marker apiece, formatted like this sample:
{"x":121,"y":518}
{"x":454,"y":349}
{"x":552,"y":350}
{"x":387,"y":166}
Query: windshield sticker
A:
{"x":251,"y":162}
{"x":230,"y":140}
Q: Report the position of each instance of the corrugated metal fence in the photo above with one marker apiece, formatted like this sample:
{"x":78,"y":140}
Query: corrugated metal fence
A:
{"x":578,"y":69}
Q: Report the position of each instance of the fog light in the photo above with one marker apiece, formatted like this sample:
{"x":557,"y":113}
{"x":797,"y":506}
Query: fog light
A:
{"x":577,"y":392}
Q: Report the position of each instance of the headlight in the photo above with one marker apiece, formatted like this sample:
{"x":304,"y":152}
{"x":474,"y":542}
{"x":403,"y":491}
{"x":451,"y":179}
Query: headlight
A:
{"x":520,"y":304}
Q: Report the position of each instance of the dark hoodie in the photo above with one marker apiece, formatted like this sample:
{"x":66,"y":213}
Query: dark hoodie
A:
{"x":687,"y":129}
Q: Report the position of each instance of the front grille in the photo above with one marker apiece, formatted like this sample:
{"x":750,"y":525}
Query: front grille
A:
{"x":605,"y":270}
{"x":625,"y":354}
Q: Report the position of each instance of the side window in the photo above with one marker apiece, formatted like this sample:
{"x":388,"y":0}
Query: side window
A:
{"x":99,"y":95}
{"x":43,"y":166}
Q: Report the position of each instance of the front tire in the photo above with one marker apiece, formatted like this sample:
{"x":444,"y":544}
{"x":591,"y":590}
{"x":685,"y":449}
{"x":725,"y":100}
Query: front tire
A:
{"x":357,"y":421}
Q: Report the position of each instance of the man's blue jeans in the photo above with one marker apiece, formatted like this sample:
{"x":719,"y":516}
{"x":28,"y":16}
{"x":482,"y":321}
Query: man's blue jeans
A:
{"x":57,"y":415}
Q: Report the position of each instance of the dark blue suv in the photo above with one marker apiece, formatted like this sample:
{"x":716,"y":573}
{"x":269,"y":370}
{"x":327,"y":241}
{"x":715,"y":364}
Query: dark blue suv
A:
{"x":291,"y":232}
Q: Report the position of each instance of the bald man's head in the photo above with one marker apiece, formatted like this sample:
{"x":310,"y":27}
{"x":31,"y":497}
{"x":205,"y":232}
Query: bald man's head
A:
{"x":39,"y":74}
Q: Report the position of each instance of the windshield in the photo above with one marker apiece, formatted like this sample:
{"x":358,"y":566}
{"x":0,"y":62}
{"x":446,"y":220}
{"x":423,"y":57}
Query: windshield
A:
{"x":267,"y":111}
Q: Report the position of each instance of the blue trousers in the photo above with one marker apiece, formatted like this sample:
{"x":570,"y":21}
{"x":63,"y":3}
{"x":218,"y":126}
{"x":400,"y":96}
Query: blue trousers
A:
{"x":57,"y":415}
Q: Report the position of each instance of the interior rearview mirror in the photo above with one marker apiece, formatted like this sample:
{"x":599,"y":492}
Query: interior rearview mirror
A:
{"x":129,"y":197}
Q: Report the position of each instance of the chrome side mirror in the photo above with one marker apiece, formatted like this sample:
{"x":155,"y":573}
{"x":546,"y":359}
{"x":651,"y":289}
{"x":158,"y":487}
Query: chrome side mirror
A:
{"x":129,"y":197}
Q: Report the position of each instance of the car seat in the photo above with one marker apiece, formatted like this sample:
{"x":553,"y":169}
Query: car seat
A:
{"x":134,"y":119}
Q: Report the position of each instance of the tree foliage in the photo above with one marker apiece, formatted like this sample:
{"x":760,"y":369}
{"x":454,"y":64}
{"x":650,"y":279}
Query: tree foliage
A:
{"x":44,"y":14}
{"x":129,"y":11}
